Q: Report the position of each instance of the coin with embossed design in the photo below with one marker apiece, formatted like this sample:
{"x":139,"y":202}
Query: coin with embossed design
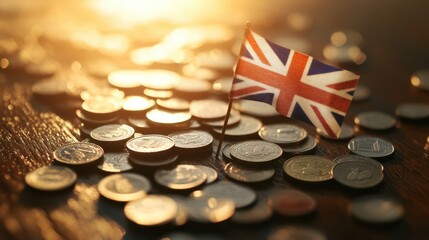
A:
{"x":375,"y":120}
{"x":248,"y":174}
{"x":283,"y":133}
{"x":357,"y":174}
{"x":78,"y":153}
{"x":241,"y":195}
{"x":181,"y":177}
{"x":112,"y":134}
{"x":152,"y":210}
{"x":255,"y":152}
{"x":101,"y":108}
{"x":192,"y":140}
{"x":353,"y":158}
{"x":372,"y":147}
{"x":124,"y":187}
{"x":51,"y":178}
{"x":309,"y":168}
{"x":246,"y":126}
{"x":115,"y":162}
{"x":150,"y":144}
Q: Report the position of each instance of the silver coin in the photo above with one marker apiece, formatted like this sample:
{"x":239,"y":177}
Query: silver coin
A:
{"x":420,"y":79}
{"x":150,"y":144}
{"x":112,"y":133}
{"x":256,"y":151}
{"x":152,"y":210}
{"x":115,"y":162}
{"x":345,"y":133}
{"x":124,"y":187}
{"x":376,"y":209}
{"x":283,"y":133}
{"x":78,"y":153}
{"x":241,"y":195}
{"x":372,"y":147}
{"x":191,"y":139}
{"x":295,"y":233}
{"x":306,"y":146}
{"x":226,"y":151}
{"x":210,"y":172}
{"x":181,"y":177}
{"x":354,"y":158}
{"x":248,"y":174}
{"x":413,"y":111}
{"x":309,"y":168}
{"x":51,"y":178}
{"x":154,"y":160}
{"x":208,"y":109}
{"x":101,"y":107}
{"x":257,"y":213}
{"x":209,"y":209}
{"x":375,"y":120}
{"x":246,"y":126}
{"x":357,"y":174}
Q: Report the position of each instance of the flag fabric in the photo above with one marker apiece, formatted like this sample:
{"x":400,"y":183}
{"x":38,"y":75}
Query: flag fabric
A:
{"x":295,"y":84}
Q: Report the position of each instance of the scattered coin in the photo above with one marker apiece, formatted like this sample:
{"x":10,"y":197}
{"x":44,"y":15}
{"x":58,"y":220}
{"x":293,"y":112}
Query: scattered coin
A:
{"x":94,"y":122}
{"x":413,"y":111}
{"x":112,"y":134}
{"x":139,"y":123}
{"x":357,"y":174}
{"x":309,"y":168}
{"x":115,"y":162}
{"x":295,"y":233}
{"x":101,"y":108}
{"x":357,"y":158}
{"x":420,"y":79}
{"x":154,"y":161}
{"x":346,"y":132}
{"x":137,"y":104}
{"x":181,"y":177}
{"x":361,"y":93}
{"x":375,"y":120}
{"x":158,"y":94}
{"x":192,"y":140}
{"x":150,"y":144}
{"x":257,"y":109}
{"x":51,"y":178}
{"x":255,"y":152}
{"x":292,"y":203}
{"x":257,"y":213}
{"x":248,"y":174}
{"x":210,"y":172}
{"x":124,"y":187}
{"x":174,"y":104}
{"x":210,"y":209}
{"x":159,"y":79}
{"x":307,"y":146}
{"x":152,"y":210}
{"x":128,"y":80}
{"x":163,"y":117}
{"x":283,"y":133}
{"x":234,"y":118}
{"x":245,"y":127}
{"x":372,"y":147}
{"x":241,"y":195}
{"x":103,"y":92}
{"x":78,"y":153}
{"x":208,"y":109}
{"x":376,"y":209}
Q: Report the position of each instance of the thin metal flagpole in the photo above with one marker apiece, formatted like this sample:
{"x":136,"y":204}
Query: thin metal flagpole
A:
{"x":225,"y":123}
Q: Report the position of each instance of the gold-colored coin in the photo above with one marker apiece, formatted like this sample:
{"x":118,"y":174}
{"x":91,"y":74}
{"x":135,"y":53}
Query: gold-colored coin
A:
{"x":152,"y":210}
{"x":124,"y":187}
{"x":309,"y":168}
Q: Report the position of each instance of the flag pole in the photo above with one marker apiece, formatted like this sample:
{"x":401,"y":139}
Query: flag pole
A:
{"x":228,"y":112}
{"x":225,"y":123}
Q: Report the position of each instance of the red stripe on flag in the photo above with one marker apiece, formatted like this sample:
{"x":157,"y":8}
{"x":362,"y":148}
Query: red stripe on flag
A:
{"x":245,"y":91}
{"x":256,"y":48}
{"x":322,"y":120}
{"x":343,"y":85}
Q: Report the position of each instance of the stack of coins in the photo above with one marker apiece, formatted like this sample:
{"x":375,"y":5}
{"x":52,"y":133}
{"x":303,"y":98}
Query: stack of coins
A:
{"x":152,"y":150}
{"x":293,"y":139}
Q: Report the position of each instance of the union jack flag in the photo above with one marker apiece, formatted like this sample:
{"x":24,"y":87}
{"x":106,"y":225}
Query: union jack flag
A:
{"x":295,"y":84}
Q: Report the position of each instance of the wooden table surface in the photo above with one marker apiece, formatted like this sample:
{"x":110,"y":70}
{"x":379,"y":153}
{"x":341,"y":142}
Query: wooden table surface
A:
{"x":396,"y":41}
